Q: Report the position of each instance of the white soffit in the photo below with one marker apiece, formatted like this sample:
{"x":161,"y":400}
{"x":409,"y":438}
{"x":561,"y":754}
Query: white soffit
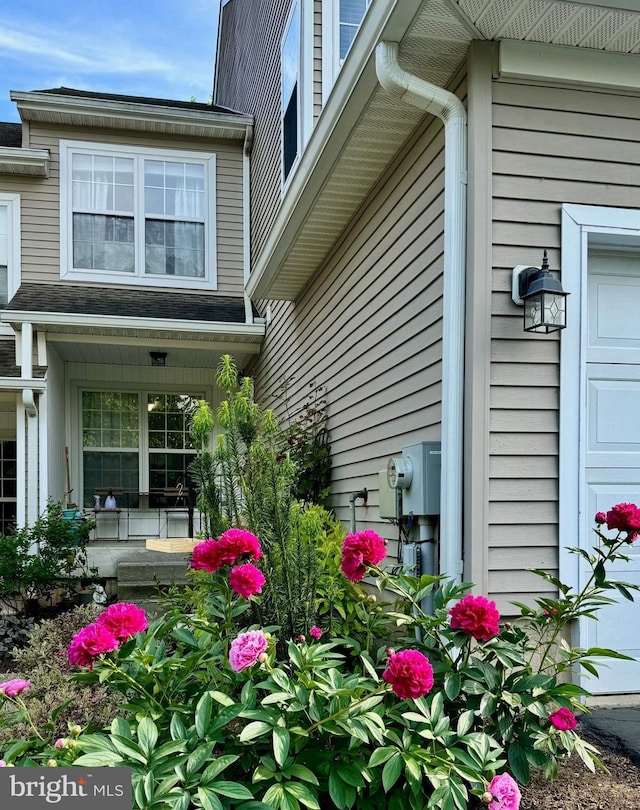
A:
{"x":609,"y":25}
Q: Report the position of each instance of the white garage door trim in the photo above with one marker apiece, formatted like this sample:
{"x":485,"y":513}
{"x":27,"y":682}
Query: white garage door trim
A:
{"x":584,"y":227}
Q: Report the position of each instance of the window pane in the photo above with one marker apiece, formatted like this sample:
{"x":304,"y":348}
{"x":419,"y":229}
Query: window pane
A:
{"x":347,"y":35}
{"x":102,"y":470}
{"x":290,"y":134}
{"x":167,"y":470}
{"x":102,"y":422}
{"x":290,"y":57}
{"x":4,"y":286}
{"x":162,"y":257}
{"x":102,"y":183}
{"x":92,"y":233}
{"x":352,"y":11}
{"x":81,"y":167}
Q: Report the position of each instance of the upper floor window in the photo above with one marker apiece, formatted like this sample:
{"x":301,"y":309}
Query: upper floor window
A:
{"x":290,"y":86}
{"x":351,"y":13}
{"x":142,"y":214}
{"x":9,"y":246}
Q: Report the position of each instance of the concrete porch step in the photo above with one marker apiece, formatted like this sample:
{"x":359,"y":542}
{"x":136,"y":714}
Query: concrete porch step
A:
{"x":138,"y":578}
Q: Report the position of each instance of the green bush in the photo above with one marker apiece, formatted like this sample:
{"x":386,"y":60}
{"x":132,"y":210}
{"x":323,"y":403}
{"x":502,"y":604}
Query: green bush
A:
{"x":36,"y":560}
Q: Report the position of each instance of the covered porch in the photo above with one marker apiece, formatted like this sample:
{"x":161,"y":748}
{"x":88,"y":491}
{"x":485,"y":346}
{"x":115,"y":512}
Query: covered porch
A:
{"x":108,"y":434}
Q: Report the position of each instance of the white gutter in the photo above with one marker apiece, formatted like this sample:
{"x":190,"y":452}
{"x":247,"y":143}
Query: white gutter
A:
{"x":18,"y":160}
{"x":448,"y":107}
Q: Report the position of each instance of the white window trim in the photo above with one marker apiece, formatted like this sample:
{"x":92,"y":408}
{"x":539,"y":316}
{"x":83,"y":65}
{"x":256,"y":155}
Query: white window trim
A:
{"x":207,"y":159}
{"x":12,"y":203}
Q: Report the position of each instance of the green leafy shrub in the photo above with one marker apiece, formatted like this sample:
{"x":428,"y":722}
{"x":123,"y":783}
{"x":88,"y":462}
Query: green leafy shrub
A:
{"x":217,"y":721}
{"x":44,"y":663}
{"x":38,"y":559}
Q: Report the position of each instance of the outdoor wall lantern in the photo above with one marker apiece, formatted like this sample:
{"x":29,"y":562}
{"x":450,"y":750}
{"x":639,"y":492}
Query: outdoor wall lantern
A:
{"x":542,"y":297}
{"x":158,"y":358}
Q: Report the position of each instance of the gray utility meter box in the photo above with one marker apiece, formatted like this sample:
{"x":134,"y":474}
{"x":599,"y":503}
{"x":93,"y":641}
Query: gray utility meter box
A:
{"x":422,"y":497}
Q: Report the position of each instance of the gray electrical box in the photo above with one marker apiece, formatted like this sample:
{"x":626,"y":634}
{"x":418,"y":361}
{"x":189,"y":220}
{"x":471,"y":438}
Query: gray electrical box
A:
{"x":388,"y":498}
{"x":422,"y":497}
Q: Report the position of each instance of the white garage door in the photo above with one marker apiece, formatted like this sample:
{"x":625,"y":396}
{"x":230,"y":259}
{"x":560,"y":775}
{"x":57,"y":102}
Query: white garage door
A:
{"x":611,"y":438}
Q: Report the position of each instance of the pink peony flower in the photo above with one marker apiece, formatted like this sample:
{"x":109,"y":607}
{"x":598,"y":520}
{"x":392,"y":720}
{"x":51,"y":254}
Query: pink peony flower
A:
{"x":3,"y":764}
{"x":600,"y":518}
{"x":206,"y":556}
{"x":246,"y":580}
{"x":564,"y":719}
{"x":359,"y":550}
{"x":236,"y":543}
{"x":409,"y":673}
{"x":246,"y":649}
{"x":505,"y":792}
{"x":625,"y":517}
{"x":123,"y":619}
{"x":476,"y":616}
{"x":60,"y":743}
{"x":210,"y":555}
{"x":14,"y":687}
{"x":90,"y":642}
{"x":315,"y":632}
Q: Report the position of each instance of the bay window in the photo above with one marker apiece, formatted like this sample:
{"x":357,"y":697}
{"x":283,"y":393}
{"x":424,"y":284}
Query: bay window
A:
{"x":137,"y":214}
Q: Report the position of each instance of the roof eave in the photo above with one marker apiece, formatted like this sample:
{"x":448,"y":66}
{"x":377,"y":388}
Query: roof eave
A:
{"x":55,"y":109}
{"x":16,"y":160}
{"x":247,"y":332}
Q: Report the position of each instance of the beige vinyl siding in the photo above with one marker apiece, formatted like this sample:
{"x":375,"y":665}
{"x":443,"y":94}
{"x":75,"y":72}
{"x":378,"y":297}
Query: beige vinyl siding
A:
{"x":250,"y":36}
{"x":550,"y":146}
{"x":40,"y":203}
{"x":317,"y":59}
{"x":369,"y":329}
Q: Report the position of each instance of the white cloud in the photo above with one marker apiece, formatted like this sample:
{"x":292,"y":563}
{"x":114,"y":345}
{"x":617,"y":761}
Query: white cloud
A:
{"x":87,"y":54}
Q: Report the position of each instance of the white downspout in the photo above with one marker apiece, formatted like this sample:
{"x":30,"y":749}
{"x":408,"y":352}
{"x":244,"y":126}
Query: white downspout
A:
{"x":31,"y":410}
{"x":448,"y":107}
{"x":246,"y":218}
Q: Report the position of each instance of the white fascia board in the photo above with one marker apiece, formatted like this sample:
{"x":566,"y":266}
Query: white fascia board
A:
{"x":15,"y":160}
{"x":351,"y":93}
{"x":17,"y":318}
{"x":105,"y":108}
{"x":568,"y":65}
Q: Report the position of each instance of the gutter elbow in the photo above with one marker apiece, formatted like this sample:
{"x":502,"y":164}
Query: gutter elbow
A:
{"x":413,"y":90}
{"x":29,"y":402}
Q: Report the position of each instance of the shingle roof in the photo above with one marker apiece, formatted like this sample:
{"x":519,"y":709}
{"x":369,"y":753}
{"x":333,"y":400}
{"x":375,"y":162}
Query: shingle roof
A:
{"x":127,"y":303}
{"x":10,"y":134}
{"x":8,"y":366}
{"x":159,"y":102}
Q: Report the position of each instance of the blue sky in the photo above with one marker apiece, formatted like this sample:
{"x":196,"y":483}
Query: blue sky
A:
{"x":163,"y":48}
